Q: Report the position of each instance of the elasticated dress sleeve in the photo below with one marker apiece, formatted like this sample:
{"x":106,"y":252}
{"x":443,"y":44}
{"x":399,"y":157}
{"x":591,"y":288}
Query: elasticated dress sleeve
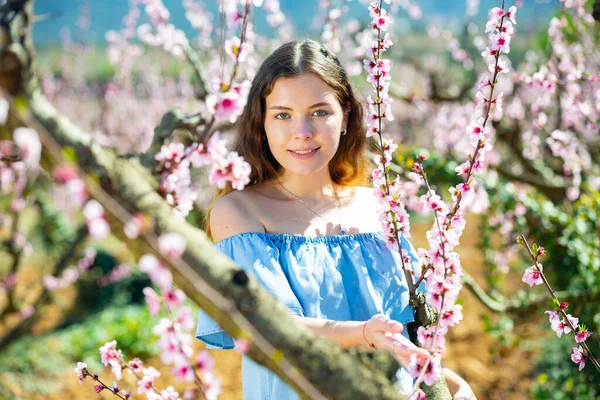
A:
{"x":260,"y":259}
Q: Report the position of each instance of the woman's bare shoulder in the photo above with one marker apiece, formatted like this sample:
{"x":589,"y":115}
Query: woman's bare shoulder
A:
{"x":234,"y":214}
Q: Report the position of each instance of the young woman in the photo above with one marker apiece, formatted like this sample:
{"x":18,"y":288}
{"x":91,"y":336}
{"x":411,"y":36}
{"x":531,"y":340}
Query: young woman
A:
{"x":307,"y":227}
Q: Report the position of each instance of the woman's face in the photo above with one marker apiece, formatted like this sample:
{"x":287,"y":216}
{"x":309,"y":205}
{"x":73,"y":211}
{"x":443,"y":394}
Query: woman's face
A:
{"x":303,"y":122}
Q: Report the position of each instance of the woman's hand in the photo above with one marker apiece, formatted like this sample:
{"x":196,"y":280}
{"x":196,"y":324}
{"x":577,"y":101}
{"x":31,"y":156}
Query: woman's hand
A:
{"x":458,"y":386}
{"x":464,"y":392}
{"x":386,"y":333}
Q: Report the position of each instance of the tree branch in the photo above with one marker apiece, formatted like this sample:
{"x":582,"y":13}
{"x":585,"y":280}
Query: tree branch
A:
{"x":514,"y":305}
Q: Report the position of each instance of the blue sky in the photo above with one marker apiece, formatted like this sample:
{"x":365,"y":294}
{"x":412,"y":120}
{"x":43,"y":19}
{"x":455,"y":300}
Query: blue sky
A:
{"x":107,"y":14}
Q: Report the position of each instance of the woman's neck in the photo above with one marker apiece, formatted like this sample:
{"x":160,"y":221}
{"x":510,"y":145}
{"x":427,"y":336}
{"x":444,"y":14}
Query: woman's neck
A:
{"x":314,"y":188}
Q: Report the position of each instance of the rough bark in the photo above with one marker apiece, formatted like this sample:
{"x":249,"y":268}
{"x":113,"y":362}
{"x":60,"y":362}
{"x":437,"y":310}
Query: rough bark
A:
{"x":203,"y":274}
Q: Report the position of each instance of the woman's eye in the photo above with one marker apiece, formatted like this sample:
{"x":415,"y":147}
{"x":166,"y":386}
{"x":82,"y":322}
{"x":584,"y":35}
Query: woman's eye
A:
{"x":321,"y":113}
{"x":282,"y":116}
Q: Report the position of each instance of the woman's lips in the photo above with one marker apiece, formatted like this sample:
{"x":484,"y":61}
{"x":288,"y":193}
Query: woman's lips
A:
{"x":303,"y":155}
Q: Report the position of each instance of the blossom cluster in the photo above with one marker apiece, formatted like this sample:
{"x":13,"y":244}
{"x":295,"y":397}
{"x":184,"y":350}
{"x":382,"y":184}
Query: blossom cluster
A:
{"x":159,"y":32}
{"x":69,"y":192}
{"x":394,"y":217}
{"x":441,"y":267}
{"x":95,"y":219}
{"x":82,"y":372}
{"x":174,"y":340}
{"x":560,"y":321}
{"x":330,"y":35}
{"x":175,"y":162}
{"x":200,"y":20}
{"x":570,"y":119}
{"x":72,"y":273}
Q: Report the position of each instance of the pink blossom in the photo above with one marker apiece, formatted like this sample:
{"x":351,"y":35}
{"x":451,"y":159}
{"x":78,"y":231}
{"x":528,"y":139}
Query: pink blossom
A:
{"x":81,"y":371}
{"x":463,"y":169}
{"x":496,"y":13}
{"x":114,"y":388}
{"x":135,"y":365}
{"x":464,"y":188}
{"x":28,"y":141}
{"x":151,"y":371}
{"x":145,"y":384}
{"x":158,"y":273}
{"x":418,"y":395}
{"x":93,"y":213}
{"x":51,"y":283}
{"x":225,"y":106}
{"x":501,"y":42}
{"x":183,"y":370}
{"x":212,"y":386}
{"x":169,"y":349}
{"x":165,"y":326}
{"x":204,"y":362}
{"x":98,"y":388}
{"x":553,"y":316}
{"x":169,"y":393}
{"x":93,"y":210}
{"x":381,"y":21}
{"x":582,"y":335}
{"x":562,"y":326}
{"x":233,"y":17}
{"x":199,"y":155}
{"x":578,"y":357}
{"x":170,"y":154}
{"x":98,"y":228}
{"x":109,"y":352}
{"x":231,"y":169}
{"x":452,"y":317}
{"x":173,"y":297}
{"x":501,"y":68}
{"x":532,"y":276}
{"x":512,"y":11}
{"x":171,"y":245}
{"x":216,"y":146}
{"x":185,"y":319}
{"x":152,"y":299}
{"x":136,"y":225}
{"x":116,"y":369}
{"x":425,"y":337}
{"x":236,"y":51}
{"x":432,"y":372}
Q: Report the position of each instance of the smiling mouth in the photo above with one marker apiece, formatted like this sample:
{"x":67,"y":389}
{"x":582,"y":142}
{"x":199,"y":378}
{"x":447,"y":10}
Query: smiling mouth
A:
{"x":304,"y":152}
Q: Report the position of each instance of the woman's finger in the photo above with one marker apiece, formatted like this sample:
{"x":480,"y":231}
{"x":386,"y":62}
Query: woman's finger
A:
{"x":399,"y":346}
{"x":381,"y":322}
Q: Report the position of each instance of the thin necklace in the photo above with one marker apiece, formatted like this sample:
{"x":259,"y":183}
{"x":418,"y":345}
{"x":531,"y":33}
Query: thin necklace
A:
{"x":343,"y":230}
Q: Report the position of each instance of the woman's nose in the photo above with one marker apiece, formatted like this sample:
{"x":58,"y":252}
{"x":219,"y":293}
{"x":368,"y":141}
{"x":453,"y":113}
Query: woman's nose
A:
{"x":304,"y":129}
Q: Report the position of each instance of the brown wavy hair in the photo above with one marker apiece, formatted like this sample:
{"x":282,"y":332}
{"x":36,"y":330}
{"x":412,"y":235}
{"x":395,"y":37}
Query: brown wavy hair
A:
{"x":349,"y":166}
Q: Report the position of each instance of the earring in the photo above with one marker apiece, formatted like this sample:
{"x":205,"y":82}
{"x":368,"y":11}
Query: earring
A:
{"x":344,"y":132}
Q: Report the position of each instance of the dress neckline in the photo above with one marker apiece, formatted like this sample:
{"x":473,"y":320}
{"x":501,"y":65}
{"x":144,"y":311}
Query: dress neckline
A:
{"x":290,"y":237}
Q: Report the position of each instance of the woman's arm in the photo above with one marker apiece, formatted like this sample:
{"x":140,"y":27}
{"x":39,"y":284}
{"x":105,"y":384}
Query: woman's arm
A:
{"x":379,"y":331}
{"x":344,"y":333}
{"x":383,"y":333}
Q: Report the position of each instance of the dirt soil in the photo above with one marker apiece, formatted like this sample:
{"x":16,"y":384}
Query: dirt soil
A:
{"x":501,"y":374}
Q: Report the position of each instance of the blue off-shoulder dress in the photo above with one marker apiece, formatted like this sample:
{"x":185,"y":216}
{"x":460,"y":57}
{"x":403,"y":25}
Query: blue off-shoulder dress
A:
{"x":342,"y":277}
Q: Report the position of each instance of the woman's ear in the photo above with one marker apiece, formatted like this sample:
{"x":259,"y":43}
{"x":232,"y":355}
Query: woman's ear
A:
{"x":347,"y":110}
